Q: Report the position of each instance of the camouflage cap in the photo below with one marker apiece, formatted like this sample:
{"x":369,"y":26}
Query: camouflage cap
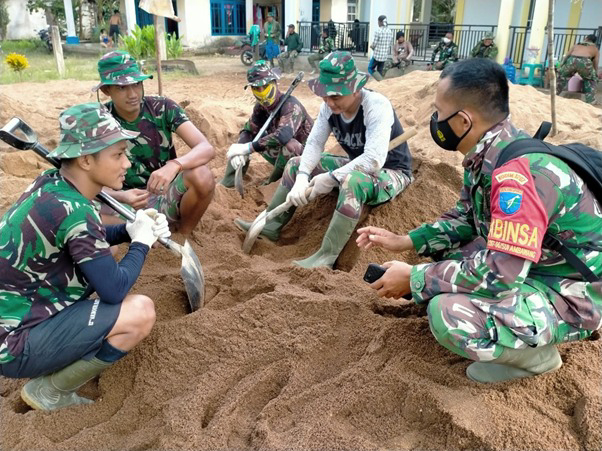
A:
{"x":260,"y":74}
{"x":119,"y":68}
{"x":86,"y":129}
{"x":489,"y":35}
{"x":338,"y":76}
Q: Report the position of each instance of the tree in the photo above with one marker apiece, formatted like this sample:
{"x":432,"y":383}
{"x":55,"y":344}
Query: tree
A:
{"x":54,"y":10}
{"x":444,"y":11}
{"x":4,"y":19}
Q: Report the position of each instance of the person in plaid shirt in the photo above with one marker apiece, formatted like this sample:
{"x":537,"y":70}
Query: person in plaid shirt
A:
{"x":381,"y":47}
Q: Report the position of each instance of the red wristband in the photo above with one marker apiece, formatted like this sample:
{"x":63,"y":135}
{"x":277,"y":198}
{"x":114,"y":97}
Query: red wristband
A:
{"x":178,"y":163}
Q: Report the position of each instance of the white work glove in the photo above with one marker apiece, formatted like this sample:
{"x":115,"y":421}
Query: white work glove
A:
{"x":238,"y":161}
{"x":160,"y":225}
{"x":141,"y":229}
{"x":297,"y":194}
{"x":239,"y":149}
{"x":322,"y":184}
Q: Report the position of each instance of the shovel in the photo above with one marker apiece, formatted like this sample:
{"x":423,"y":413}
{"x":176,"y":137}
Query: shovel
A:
{"x":238,"y":174}
{"x":191,"y":270}
{"x":266,"y":215}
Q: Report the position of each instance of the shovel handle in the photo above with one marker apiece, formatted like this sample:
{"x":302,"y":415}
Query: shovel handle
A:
{"x":402,"y":138}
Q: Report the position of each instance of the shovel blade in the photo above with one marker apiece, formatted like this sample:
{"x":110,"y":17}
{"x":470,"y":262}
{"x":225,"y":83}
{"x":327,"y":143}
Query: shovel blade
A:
{"x":193,"y":277}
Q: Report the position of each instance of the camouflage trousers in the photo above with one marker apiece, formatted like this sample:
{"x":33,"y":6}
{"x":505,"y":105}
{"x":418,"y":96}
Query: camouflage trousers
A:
{"x":286,"y":59}
{"x":585,"y":68}
{"x":279,"y":156}
{"x":479,"y":328}
{"x":358,"y":188}
{"x":314,"y":59}
{"x":168,"y":203}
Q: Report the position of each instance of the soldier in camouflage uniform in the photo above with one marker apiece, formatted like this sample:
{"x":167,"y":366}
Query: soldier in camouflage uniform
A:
{"x":363,"y":122}
{"x":284,"y":137}
{"x":54,"y":253}
{"x":180,"y":187}
{"x":485,"y":48}
{"x":445,"y":53}
{"x":582,"y":59}
{"x":496,"y":295}
{"x":326,"y":46}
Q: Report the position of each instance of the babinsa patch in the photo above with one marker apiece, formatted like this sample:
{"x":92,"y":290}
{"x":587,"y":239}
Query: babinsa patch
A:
{"x":511,"y":200}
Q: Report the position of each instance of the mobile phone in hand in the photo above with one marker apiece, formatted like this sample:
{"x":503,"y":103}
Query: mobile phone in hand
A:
{"x":375,"y":272}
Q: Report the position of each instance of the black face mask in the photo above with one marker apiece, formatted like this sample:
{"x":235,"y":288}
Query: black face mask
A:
{"x":443,"y":134}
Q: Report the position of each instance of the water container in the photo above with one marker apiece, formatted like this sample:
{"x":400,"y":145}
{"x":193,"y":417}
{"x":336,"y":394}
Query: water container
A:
{"x":510,"y":70}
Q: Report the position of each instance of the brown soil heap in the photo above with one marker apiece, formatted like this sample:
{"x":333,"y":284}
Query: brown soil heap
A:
{"x":287,"y":358}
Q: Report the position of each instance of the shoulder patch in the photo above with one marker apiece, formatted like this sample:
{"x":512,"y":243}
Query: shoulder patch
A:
{"x":510,"y":200}
{"x":511,"y":175}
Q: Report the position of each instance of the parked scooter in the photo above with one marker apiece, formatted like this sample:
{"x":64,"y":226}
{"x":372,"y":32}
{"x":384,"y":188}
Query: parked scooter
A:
{"x":45,"y":37}
{"x":246,"y":54}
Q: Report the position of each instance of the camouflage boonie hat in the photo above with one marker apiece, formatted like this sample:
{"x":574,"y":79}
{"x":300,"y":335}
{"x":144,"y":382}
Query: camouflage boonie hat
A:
{"x":260,"y":74}
{"x":86,"y":129}
{"x":489,"y":35}
{"x":338,"y":76}
{"x":119,"y":68}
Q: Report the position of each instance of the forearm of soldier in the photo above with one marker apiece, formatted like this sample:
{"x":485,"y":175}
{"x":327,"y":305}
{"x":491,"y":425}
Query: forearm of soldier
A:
{"x":118,"y":195}
{"x":245,"y":137}
{"x":111,"y":280}
{"x":117,"y":234}
{"x":315,"y":142}
{"x":441,"y":235}
{"x":201,"y":151}
{"x":489,"y":274}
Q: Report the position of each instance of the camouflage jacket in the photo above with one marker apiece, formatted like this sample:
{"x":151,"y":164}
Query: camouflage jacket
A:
{"x":159,"y":117}
{"x":484,"y":51}
{"x":512,"y":208}
{"x":292,"y":121}
{"x":326,"y":45}
{"x":446,"y":52}
{"x":46,"y":234}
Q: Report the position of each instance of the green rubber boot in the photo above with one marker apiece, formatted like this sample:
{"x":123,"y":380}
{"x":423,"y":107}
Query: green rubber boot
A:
{"x":339,"y":231}
{"x":272,"y":228}
{"x":515,"y":364}
{"x":57,"y":390}
{"x":228,"y":180}
{"x":278,"y":170}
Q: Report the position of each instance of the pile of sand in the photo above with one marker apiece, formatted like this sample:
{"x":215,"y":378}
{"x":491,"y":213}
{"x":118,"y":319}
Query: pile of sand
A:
{"x":283,"y":357}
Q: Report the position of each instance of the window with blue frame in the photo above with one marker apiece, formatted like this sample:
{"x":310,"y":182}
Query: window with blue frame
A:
{"x":228,"y":18}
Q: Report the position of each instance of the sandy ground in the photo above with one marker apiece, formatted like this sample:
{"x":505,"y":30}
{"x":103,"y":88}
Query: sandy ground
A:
{"x":287,"y":358}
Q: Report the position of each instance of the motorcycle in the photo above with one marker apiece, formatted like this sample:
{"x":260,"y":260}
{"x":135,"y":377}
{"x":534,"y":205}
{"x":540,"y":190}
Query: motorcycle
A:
{"x":45,"y":37}
{"x":246,"y":54}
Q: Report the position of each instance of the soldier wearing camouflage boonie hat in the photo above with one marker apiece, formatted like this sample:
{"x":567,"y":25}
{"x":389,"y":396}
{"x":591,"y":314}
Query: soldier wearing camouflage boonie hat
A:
{"x":338,"y":76}
{"x":119,"y":68}
{"x":260,"y":74}
{"x":484,"y":50}
{"x":86,"y":129}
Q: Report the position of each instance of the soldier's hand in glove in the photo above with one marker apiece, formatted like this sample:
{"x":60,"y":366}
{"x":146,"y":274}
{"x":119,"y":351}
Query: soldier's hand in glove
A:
{"x":160,"y":225}
{"x":141,"y":229}
{"x":322,"y":184}
{"x":238,"y":161}
{"x":238,"y":149}
{"x":297,"y":194}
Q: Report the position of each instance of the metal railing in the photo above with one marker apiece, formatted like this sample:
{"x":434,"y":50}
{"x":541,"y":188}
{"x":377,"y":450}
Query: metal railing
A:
{"x":351,"y":36}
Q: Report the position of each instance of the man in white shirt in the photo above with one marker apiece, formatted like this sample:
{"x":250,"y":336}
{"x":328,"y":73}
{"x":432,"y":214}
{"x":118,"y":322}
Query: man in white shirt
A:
{"x":381,"y":46}
{"x":363,"y":122}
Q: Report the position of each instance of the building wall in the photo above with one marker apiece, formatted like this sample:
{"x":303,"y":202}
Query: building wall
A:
{"x":479,"y":12}
{"x":325,"y":10}
{"x":591,"y":15}
{"x":22,"y":24}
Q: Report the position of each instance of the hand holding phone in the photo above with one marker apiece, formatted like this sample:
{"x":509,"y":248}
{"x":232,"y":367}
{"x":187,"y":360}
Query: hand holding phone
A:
{"x":375,"y":272}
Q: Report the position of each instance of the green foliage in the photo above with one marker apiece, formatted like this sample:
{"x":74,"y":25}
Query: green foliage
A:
{"x":24,"y":46}
{"x":174,"y":46}
{"x":140,"y":43}
{"x":4,"y":19}
{"x":56,"y":8}
{"x":444,"y":11}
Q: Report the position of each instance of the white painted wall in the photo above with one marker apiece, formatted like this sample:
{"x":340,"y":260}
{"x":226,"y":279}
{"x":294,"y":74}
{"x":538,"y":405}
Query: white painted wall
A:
{"x":591,"y":15}
{"x":338,"y":11}
{"x":196,"y":23}
{"x":388,"y":8}
{"x":481,"y":12}
{"x":23,"y":25}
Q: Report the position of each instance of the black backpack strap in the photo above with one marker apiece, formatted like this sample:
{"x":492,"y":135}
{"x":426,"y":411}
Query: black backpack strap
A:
{"x":553,"y":243}
{"x":543,"y":130}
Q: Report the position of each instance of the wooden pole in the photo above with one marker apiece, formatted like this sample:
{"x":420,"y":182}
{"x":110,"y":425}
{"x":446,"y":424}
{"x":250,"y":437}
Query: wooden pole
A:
{"x":551,"y":66}
{"x":57,"y":48}
{"x":158,"y":53}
